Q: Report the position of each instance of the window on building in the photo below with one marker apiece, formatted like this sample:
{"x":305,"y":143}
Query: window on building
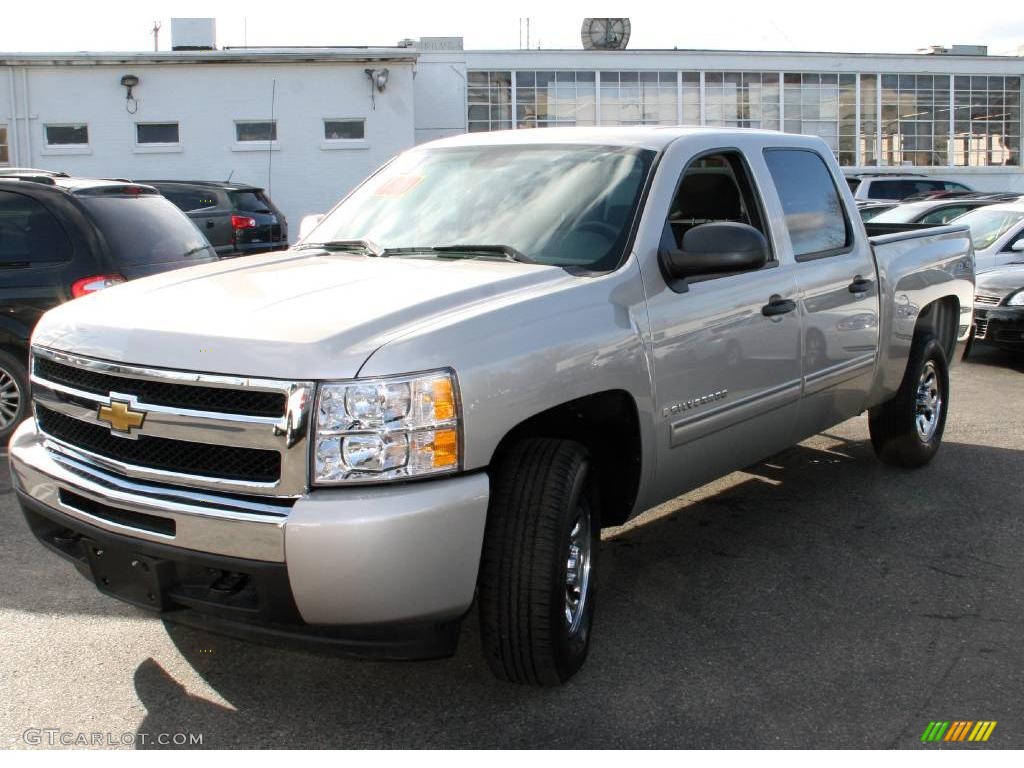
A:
{"x":256,"y":130}
{"x":986,"y":120}
{"x":639,"y":98}
{"x":691,"y":97}
{"x":156,"y":133}
{"x":555,"y":98}
{"x":5,"y":154}
{"x":810,"y":201}
{"x":742,"y":99}
{"x":344,"y":129}
{"x":824,"y":105}
{"x":489,"y":99}
{"x":914,"y":120}
{"x":69,"y":135}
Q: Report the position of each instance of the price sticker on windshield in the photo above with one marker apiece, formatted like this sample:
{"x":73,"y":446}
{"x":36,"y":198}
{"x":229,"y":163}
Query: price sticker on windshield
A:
{"x":398,"y":186}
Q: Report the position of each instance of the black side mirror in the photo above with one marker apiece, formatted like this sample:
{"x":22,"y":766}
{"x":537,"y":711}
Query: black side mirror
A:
{"x":714,"y":248}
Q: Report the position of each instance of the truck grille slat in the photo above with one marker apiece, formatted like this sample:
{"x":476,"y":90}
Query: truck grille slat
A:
{"x":199,"y":398}
{"x":200,"y":459}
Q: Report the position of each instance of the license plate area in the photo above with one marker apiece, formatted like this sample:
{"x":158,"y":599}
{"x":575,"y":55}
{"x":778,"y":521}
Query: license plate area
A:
{"x":129,"y":576}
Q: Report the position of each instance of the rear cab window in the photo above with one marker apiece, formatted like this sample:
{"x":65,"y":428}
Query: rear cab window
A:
{"x":30,"y":234}
{"x":814,"y":212}
{"x":146,"y":229}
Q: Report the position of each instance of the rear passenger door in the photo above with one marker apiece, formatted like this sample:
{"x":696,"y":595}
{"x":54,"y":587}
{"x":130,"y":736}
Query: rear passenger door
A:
{"x":835,"y":273}
{"x":727,"y":374}
{"x":35,"y":252}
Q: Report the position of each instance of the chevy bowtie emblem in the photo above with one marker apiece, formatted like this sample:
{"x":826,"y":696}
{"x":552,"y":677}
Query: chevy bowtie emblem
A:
{"x":120,"y":416}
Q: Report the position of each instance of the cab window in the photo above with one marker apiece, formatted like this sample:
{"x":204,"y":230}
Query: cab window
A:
{"x":714,"y":187}
{"x":815,"y":216}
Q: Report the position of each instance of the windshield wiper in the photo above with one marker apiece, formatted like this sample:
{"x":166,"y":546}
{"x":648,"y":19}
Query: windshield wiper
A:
{"x":505,"y":251}
{"x":354,"y":246}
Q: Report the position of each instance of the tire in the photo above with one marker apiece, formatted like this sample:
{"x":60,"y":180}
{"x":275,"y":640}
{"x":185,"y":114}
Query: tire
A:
{"x":542,"y":505}
{"x":14,"y":395}
{"x":906,"y":431}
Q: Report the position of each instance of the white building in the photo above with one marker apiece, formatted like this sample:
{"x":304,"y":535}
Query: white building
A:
{"x":310,"y":123}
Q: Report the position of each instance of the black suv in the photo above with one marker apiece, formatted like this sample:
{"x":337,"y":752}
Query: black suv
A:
{"x":237,"y":218}
{"x":63,"y":237}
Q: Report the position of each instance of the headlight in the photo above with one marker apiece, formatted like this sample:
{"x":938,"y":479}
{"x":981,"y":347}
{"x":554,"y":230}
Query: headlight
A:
{"x":386,"y":429}
{"x":1017,"y":300}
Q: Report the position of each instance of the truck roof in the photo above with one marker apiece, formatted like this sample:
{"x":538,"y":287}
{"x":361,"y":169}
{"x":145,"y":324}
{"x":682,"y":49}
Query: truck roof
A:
{"x":655,"y":137}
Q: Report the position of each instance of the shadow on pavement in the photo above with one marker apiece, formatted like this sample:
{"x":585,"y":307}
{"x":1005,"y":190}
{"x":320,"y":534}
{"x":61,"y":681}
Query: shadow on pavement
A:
{"x":822,"y":590}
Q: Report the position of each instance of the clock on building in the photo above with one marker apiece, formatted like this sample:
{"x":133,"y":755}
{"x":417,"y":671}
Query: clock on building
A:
{"x":605,"y":34}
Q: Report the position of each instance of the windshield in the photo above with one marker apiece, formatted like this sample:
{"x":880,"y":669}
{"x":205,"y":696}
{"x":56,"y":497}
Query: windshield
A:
{"x":560,"y":205}
{"x":988,"y":225}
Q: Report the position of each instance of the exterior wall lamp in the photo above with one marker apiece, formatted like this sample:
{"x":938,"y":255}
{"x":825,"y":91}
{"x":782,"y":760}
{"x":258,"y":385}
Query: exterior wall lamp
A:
{"x":129,"y":82}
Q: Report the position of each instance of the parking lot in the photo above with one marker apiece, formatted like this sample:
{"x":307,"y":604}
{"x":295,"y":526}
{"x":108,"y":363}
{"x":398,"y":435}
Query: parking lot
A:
{"x":819,"y":599}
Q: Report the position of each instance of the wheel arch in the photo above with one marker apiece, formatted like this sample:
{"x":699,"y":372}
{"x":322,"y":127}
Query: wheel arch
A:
{"x":940,"y":318}
{"x":608,"y":424}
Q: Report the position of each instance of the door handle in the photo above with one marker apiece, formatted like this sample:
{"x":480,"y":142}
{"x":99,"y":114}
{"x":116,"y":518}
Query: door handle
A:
{"x":777,"y":306}
{"x":860,"y":285}
{"x":210,"y":225}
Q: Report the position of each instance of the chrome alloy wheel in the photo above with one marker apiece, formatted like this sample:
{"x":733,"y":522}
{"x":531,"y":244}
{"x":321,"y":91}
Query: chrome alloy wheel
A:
{"x":577,"y":570}
{"x":929,"y":402}
{"x":10,"y":399}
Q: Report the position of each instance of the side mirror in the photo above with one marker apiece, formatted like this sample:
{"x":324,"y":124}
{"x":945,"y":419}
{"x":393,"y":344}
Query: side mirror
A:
{"x":1018,"y":246}
{"x":309,"y":223}
{"x":714,"y":248}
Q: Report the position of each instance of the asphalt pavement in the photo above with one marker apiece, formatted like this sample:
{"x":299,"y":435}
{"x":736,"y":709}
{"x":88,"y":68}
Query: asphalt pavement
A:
{"x":818,"y":599}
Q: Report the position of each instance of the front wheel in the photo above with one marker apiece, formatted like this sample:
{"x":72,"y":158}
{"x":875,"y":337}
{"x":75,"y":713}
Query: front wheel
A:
{"x":14,"y":399}
{"x":906,"y":431}
{"x":537,"y":570}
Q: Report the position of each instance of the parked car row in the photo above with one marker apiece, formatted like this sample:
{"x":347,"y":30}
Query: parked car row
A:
{"x":996,"y":224}
{"x":63,"y":237}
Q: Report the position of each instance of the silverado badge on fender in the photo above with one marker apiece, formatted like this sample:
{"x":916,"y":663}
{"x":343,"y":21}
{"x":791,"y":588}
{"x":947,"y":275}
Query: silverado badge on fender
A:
{"x":120,"y":416}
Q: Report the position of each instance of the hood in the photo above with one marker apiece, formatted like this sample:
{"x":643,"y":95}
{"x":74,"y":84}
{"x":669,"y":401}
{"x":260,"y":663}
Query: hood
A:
{"x":291,"y":315}
{"x":1000,"y":282}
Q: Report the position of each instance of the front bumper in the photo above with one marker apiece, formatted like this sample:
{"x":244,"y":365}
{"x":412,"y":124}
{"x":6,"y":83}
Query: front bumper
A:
{"x":356,"y":563}
{"x":1002,"y":326}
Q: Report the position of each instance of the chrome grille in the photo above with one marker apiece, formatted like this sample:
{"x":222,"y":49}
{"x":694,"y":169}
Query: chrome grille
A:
{"x":991,"y":301}
{"x":980,"y":328}
{"x":208,"y":431}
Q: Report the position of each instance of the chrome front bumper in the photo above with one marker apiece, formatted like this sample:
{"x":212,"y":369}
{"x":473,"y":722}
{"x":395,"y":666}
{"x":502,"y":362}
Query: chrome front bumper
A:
{"x":359,"y":556}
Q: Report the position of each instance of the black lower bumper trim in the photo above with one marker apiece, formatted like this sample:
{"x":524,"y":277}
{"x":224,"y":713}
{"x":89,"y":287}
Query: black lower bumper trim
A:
{"x":246,"y":599}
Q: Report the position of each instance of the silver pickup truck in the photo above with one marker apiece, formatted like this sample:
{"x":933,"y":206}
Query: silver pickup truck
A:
{"x":493,"y":347}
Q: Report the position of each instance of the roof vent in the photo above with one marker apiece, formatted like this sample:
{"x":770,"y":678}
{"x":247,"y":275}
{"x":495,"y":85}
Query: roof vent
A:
{"x":193,"y":34}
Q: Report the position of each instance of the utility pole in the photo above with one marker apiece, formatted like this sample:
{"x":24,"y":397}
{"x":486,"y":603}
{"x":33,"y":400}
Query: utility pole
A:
{"x":156,"y":35}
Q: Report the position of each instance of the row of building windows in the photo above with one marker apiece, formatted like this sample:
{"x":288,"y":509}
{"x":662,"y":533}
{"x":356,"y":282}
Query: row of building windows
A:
{"x":70,"y":135}
{"x":866,"y":119}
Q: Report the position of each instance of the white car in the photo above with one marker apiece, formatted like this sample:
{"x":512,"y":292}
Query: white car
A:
{"x":997,"y":232}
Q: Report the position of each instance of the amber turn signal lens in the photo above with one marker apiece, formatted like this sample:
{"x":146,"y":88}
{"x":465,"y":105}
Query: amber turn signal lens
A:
{"x":446,"y":448}
{"x":444,"y":399}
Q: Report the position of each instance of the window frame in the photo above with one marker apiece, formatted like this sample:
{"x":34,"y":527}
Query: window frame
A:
{"x":143,"y":145}
{"x":6,"y":143}
{"x":255,"y":145}
{"x":66,"y":149}
{"x":681,"y":286}
{"x":851,"y":241}
{"x":327,"y":143}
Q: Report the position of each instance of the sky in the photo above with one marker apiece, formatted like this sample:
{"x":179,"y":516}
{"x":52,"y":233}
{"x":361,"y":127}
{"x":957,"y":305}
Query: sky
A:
{"x":898,"y":26}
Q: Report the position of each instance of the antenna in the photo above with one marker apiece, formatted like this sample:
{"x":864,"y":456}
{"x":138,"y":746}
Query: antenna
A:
{"x":273,"y":135}
{"x":228,"y":181}
{"x":156,"y":35}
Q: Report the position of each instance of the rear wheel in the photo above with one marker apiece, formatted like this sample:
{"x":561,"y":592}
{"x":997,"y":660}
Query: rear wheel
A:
{"x":537,"y":571}
{"x":907,"y":430}
{"x":13,"y":395}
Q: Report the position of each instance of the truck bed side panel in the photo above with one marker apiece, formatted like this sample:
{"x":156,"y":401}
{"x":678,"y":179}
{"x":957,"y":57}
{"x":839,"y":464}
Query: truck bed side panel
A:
{"x":914,"y":270}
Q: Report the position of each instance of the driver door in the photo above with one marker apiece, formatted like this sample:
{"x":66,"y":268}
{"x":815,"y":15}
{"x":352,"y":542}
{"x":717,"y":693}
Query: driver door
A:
{"x":727,"y":374}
